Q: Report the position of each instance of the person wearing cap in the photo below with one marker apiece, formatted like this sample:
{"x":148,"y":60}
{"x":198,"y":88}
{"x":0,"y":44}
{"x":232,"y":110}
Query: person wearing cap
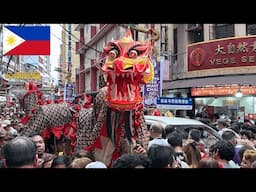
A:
{"x":6,"y":122}
{"x":95,"y":165}
{"x":11,"y":132}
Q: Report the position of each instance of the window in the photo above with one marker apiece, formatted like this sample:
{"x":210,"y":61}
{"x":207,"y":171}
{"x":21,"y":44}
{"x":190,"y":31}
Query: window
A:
{"x":164,"y":41}
{"x":195,"y":33}
{"x":251,"y":29}
{"x":224,"y":30}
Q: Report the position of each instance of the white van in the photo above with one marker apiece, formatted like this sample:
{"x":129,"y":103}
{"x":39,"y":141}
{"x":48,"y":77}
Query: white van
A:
{"x":184,"y":124}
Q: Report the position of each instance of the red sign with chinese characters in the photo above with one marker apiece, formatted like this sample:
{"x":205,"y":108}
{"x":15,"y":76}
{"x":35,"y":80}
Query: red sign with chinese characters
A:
{"x":222,"y":90}
{"x":228,"y":52}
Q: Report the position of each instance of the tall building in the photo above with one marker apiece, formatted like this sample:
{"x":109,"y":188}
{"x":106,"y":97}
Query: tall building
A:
{"x":69,"y":60}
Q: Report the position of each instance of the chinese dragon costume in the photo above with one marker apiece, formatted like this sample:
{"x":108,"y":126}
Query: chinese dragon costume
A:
{"x":117,"y":111}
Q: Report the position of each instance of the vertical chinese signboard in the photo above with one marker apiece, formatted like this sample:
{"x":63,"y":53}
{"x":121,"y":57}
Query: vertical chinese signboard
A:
{"x":69,"y":92}
{"x":153,"y":89}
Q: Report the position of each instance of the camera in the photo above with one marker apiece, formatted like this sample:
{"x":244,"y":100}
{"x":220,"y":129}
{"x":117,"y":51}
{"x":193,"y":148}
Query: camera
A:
{"x":138,"y":144}
{"x":136,"y":147}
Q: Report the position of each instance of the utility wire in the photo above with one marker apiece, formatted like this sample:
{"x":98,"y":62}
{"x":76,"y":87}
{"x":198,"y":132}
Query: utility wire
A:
{"x":97,"y":64}
{"x":67,"y":44}
{"x":80,"y":40}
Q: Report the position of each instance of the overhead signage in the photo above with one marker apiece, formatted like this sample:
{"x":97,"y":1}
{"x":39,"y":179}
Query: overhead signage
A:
{"x":174,"y":103}
{"x":24,"y":75}
{"x":222,"y":90}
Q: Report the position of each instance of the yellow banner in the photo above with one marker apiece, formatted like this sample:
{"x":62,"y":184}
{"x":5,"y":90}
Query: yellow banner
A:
{"x":23,"y":75}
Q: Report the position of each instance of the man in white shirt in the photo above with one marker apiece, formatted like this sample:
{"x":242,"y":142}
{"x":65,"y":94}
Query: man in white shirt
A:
{"x":156,"y":133}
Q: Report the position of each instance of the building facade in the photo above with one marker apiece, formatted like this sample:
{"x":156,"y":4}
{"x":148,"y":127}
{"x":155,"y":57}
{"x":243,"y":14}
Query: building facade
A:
{"x":69,"y":60}
{"x":93,"y":37}
{"x":211,"y":63}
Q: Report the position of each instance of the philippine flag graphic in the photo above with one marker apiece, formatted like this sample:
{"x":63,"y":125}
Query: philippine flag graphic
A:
{"x":26,"y":40}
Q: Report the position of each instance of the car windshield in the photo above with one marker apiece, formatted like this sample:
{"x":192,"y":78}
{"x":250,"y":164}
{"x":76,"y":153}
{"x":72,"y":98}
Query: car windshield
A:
{"x":208,"y":135}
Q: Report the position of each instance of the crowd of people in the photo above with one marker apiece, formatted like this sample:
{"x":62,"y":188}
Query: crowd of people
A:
{"x":168,"y":147}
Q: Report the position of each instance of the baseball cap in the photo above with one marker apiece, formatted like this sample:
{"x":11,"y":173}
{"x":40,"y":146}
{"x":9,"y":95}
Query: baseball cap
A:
{"x":95,"y":164}
{"x":6,"y":122}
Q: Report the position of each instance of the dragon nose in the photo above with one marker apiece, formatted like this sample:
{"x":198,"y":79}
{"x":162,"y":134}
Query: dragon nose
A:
{"x":118,"y":65}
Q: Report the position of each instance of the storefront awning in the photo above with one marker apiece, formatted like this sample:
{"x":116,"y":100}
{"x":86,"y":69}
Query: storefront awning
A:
{"x":201,"y":82}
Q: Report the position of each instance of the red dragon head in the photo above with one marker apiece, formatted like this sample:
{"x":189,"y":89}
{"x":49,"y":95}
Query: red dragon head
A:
{"x":128,"y":66}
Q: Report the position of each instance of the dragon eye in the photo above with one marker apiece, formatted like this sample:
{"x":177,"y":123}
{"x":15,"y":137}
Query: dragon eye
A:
{"x":133,"y":54}
{"x":113,"y":54}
